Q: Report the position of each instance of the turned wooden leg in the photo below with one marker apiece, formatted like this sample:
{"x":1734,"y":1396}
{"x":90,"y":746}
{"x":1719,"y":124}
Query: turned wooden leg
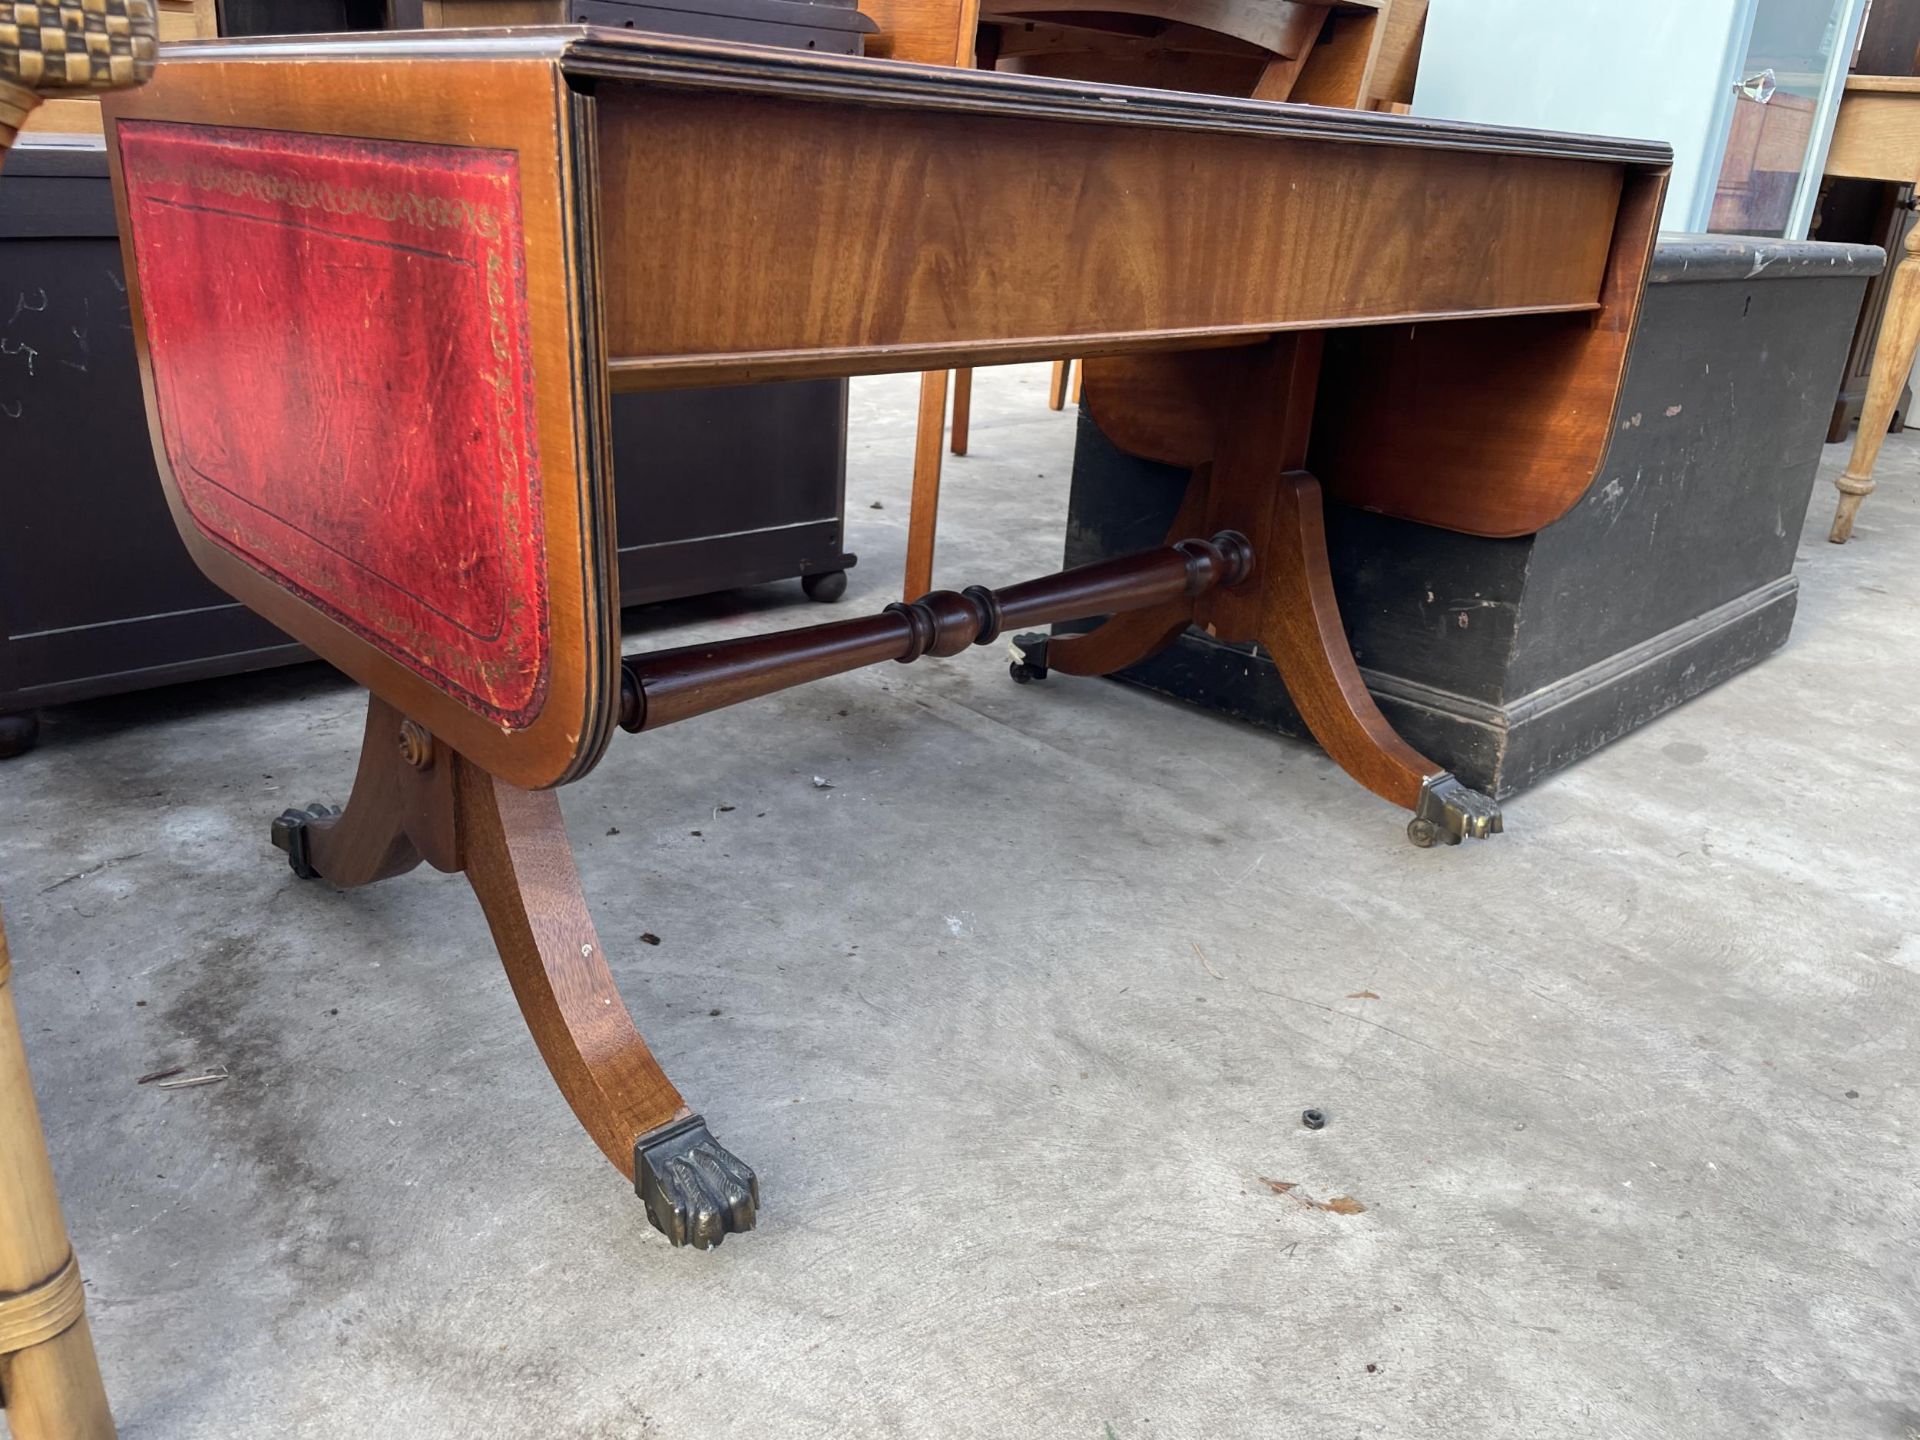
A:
{"x":414,"y":799}
{"x":48,"y":1374}
{"x":1892,"y":363}
{"x":923,"y":514}
{"x":962,"y":408}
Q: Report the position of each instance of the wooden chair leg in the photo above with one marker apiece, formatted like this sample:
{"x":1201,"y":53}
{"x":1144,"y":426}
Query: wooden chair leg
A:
{"x":1057,"y":386}
{"x":1079,"y":378}
{"x":415,"y":800}
{"x":962,"y":409}
{"x":1892,"y":362}
{"x":49,"y":1376}
{"x":923,"y":514}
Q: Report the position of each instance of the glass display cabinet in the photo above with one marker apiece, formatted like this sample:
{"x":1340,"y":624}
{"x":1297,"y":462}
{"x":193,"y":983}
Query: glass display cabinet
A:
{"x":1744,"y":90}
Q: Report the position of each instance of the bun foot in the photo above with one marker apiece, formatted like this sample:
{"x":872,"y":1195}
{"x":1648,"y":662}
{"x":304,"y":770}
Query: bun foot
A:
{"x":696,"y":1192}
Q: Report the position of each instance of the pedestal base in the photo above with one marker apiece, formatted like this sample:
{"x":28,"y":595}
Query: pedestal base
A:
{"x":1506,"y":660}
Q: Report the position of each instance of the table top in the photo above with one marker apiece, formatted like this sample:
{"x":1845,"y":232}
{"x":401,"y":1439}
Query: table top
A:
{"x":479,"y":232}
{"x":640,"y":58}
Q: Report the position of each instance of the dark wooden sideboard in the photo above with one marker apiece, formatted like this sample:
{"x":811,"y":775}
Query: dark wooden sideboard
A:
{"x":97,"y":595}
{"x":720,"y":487}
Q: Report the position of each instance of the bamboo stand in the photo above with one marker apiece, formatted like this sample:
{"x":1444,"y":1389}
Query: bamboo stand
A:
{"x":49,"y":1379}
{"x":48,"y":1374}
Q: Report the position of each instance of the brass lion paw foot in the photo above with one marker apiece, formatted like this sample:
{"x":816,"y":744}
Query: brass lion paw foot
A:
{"x":1449,"y":812}
{"x":696,"y":1192}
{"x":290,"y":835}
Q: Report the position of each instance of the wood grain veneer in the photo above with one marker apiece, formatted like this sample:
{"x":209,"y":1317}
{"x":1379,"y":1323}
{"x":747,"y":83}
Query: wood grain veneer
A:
{"x":765,"y":236}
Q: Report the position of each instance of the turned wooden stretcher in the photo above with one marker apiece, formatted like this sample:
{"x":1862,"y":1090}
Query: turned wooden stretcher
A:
{"x":383,"y":285}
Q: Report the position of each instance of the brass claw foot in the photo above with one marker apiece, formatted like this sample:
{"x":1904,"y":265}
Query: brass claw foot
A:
{"x":290,"y":835}
{"x":1449,"y":812}
{"x":696,"y":1192}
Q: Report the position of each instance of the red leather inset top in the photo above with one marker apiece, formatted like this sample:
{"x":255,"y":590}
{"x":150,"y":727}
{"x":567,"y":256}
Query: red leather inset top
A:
{"x":339,"y":350}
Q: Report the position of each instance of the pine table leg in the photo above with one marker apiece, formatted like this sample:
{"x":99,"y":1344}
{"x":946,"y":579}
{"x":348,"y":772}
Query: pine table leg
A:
{"x":1892,"y":363}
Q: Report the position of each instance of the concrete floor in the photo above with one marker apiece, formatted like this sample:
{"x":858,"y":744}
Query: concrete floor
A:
{"x":1016,"y":1023}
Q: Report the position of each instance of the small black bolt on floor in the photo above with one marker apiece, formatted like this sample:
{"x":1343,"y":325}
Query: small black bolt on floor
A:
{"x":1314,"y":1119}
